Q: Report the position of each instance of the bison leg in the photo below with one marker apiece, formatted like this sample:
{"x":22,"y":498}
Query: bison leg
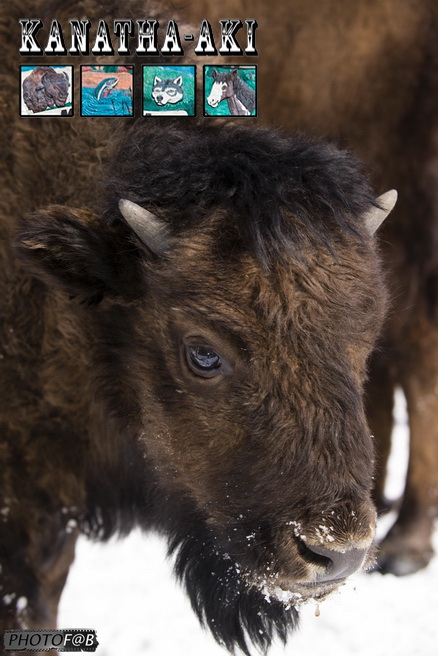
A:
{"x":380,"y":402}
{"x":33,"y":574}
{"x":408,"y":546}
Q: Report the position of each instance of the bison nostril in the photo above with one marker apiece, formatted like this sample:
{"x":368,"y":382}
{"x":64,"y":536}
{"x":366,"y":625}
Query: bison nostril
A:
{"x":340,"y":564}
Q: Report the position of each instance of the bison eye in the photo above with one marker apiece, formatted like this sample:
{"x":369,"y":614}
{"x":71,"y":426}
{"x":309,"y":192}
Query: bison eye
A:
{"x":203,"y":360}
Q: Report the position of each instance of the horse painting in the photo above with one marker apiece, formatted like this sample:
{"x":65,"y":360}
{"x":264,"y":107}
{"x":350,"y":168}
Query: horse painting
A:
{"x":239,"y":95}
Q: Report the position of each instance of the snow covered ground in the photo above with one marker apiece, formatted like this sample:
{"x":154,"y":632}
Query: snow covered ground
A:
{"x":126,"y":592}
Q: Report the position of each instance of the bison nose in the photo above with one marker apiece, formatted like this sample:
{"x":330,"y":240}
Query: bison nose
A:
{"x":340,"y":564}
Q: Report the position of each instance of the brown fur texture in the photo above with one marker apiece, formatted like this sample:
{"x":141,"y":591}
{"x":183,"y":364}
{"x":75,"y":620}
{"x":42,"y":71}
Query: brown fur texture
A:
{"x":366,"y":74}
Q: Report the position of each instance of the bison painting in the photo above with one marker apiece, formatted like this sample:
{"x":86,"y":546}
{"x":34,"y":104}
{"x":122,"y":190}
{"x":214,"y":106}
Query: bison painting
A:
{"x":187,"y":314}
{"x":44,"y":88}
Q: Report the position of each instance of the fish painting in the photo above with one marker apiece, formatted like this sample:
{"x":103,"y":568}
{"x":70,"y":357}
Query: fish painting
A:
{"x":105,"y":87}
{"x":107,"y":90}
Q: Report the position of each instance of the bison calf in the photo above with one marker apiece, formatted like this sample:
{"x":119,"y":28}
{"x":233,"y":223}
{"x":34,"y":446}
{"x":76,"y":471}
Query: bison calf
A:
{"x":190,"y":358}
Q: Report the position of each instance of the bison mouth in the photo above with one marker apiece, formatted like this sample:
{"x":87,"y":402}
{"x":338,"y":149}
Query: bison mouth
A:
{"x":295,"y":594}
{"x":60,"y":100}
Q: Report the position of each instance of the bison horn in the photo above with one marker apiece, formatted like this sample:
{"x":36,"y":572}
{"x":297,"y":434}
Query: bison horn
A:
{"x":151,"y":230}
{"x":376,"y":215}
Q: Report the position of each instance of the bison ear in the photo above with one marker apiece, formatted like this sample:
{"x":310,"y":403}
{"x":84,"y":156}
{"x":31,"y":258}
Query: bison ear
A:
{"x":69,"y":249}
{"x":152,"y":231}
{"x":374,"y":218}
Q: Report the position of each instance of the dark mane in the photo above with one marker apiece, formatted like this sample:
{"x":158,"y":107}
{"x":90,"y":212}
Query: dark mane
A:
{"x":244,"y":93}
{"x":259,"y":176}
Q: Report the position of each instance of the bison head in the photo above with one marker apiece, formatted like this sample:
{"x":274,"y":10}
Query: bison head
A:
{"x":235,"y":295}
{"x":56,"y":86}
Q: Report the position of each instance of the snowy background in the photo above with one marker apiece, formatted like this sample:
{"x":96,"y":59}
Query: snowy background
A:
{"x":125,"y":590}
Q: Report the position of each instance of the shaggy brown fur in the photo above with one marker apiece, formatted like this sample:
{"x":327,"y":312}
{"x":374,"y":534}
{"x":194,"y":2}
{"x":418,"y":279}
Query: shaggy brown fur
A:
{"x":366,"y":74}
{"x":105,"y":425}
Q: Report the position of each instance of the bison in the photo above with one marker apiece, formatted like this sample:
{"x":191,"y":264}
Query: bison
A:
{"x":365,"y":75}
{"x":191,"y":359}
{"x":184,"y":348}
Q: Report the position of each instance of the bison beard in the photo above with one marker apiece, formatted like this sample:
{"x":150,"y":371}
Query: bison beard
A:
{"x":233,"y":610}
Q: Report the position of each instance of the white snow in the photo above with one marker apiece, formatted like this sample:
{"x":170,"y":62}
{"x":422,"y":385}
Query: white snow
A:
{"x":21,"y":603}
{"x":125,"y":590}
